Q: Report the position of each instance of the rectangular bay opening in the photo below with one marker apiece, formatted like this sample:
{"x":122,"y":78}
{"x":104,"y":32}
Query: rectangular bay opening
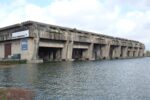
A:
{"x":50,"y":53}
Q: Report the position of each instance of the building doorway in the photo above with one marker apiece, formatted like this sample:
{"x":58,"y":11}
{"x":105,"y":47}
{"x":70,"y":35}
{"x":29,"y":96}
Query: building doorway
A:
{"x":7,"y":49}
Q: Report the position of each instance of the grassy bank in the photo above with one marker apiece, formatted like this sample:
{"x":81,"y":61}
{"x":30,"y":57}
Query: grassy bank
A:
{"x":10,"y":62}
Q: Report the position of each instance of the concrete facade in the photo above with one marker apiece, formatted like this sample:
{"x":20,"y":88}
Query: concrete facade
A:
{"x":35,"y":41}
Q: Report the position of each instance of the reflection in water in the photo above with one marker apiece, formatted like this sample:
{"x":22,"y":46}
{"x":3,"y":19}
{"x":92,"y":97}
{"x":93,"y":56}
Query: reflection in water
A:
{"x":6,"y":77}
{"x":99,"y":80}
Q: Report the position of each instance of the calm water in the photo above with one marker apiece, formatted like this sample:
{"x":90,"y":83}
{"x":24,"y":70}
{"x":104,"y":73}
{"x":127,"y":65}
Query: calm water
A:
{"x":84,"y":80}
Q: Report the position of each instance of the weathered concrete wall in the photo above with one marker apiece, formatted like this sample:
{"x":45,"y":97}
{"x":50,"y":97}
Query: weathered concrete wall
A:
{"x":16,"y":49}
{"x":55,"y":44}
{"x":28,"y":54}
{"x":66,"y":41}
{"x":1,"y":50}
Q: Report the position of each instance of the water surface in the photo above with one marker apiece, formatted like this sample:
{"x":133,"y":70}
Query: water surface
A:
{"x":127,"y":79}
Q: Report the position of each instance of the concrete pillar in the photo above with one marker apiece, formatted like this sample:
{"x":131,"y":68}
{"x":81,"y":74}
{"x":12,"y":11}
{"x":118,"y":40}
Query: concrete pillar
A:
{"x":68,"y":47}
{"x":141,"y":52}
{"x":136,"y":52}
{"x":124,"y":52}
{"x":131,"y":52}
{"x":36,"y":44}
{"x":116,"y":52}
{"x":90,"y":52}
{"x":64,"y":51}
{"x":70,"y":50}
{"x":105,"y":51}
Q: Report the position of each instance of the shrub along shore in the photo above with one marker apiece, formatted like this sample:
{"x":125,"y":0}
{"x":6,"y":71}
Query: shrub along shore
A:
{"x":10,"y":62}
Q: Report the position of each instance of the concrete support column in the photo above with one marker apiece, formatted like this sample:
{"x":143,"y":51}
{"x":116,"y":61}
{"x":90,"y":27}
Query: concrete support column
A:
{"x":124,"y":52}
{"x":70,"y":50}
{"x":64,"y":51}
{"x":136,"y":52}
{"x":105,"y":51}
{"x":90,"y":52}
{"x":36,"y":45}
{"x":131,"y":52}
{"x":141,"y":52}
{"x":68,"y":47}
{"x":117,"y":52}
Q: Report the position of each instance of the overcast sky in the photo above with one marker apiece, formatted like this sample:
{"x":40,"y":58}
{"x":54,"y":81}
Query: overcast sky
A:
{"x":120,"y":18}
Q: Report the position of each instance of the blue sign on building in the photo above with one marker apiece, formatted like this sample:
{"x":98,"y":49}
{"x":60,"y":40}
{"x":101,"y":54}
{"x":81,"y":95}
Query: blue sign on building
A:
{"x":24,"y":44}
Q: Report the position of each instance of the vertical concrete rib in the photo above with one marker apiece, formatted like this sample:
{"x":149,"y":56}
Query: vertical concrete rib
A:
{"x":36,"y":41}
{"x":117,"y":52}
{"x":69,"y":46}
{"x":64,"y":51}
{"x":105,"y":51}
{"x":141,"y":52}
{"x":137,"y":52}
{"x":124,"y":52}
{"x":90,"y":51}
{"x":65,"y":48}
{"x":69,"y":50}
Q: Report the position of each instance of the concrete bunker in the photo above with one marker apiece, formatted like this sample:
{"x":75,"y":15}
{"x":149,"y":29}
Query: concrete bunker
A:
{"x":34,"y":41}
